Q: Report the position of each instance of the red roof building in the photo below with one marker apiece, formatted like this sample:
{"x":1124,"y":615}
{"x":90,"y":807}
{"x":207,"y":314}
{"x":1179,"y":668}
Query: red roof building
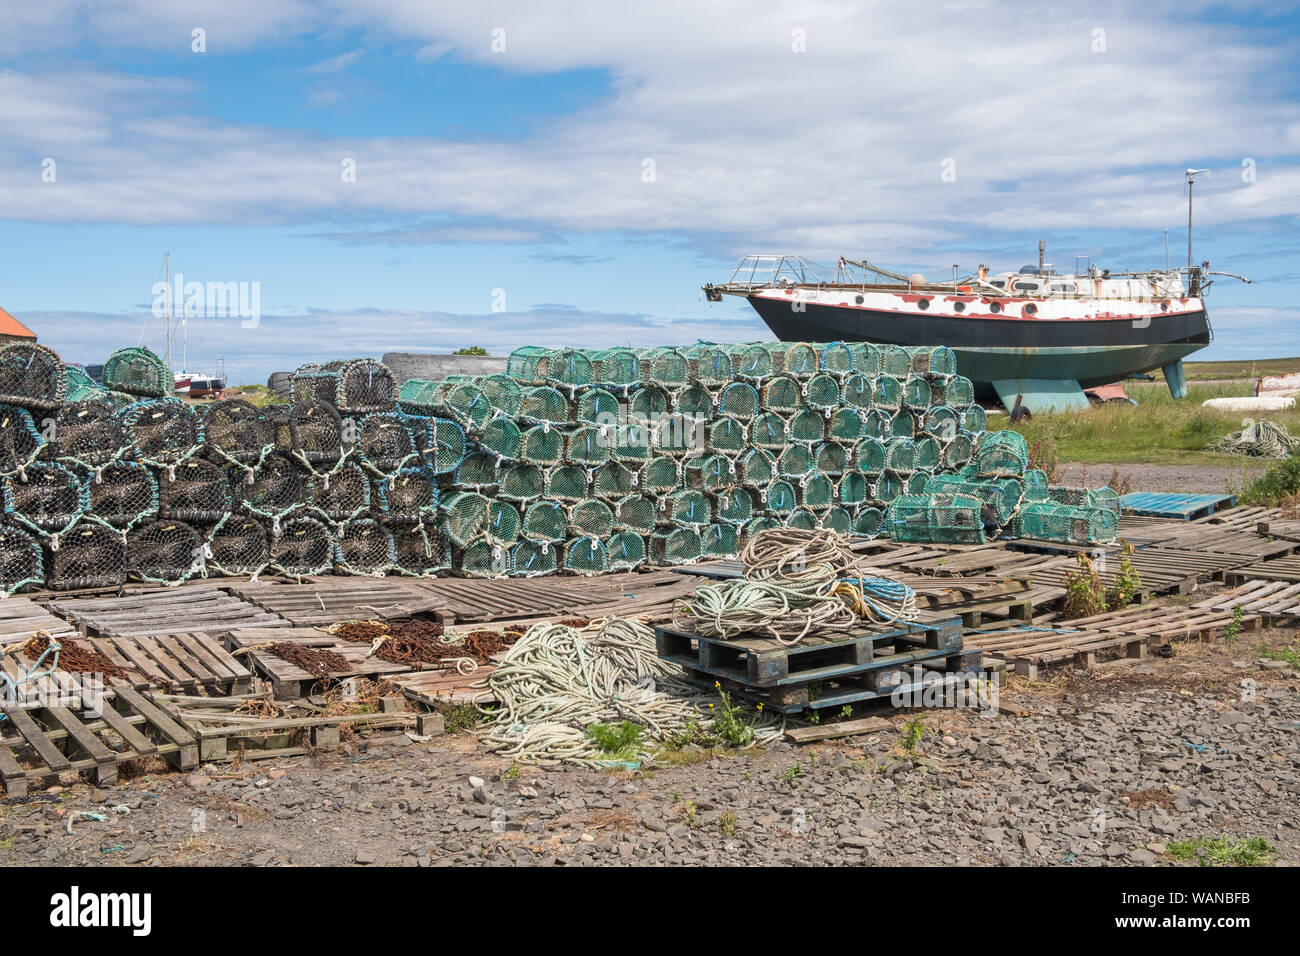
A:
{"x":11,"y":330}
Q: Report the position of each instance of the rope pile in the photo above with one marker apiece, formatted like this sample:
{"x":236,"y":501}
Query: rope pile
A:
{"x":556,"y":681}
{"x":1261,"y":439}
{"x":796,"y":583}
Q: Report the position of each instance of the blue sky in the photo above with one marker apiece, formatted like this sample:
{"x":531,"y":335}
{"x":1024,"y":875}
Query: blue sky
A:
{"x":504,"y":146}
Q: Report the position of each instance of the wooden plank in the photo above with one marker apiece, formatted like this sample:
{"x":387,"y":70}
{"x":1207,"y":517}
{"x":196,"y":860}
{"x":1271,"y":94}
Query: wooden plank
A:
{"x":846,"y":728}
{"x":84,"y":738}
{"x":35,"y":736}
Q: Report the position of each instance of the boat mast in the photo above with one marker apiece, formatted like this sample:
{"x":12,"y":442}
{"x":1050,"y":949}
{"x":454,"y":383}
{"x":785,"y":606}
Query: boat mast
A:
{"x":167,"y":265}
{"x":1191,"y":179}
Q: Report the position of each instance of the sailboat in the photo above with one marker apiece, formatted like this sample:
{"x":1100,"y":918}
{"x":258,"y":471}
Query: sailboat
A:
{"x":185,"y":382}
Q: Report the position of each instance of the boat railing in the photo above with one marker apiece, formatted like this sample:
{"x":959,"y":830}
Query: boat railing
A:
{"x":763,"y":272}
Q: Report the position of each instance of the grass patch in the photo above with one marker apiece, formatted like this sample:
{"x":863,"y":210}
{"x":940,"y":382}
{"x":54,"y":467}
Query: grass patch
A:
{"x":1278,"y":485}
{"x":459,"y":718}
{"x":1158,"y":430}
{"x":1249,"y":369}
{"x":618,"y":741}
{"x":1289,"y":654}
{"x":1253,"y":851}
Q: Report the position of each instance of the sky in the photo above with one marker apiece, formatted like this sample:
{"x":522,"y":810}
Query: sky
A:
{"x":404,"y":175}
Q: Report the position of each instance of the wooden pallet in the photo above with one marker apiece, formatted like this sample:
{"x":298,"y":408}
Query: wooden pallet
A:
{"x":329,"y":599}
{"x":1285,"y":568}
{"x":38,"y":744}
{"x":1184,"y":507}
{"x":290,"y":681}
{"x":438,"y":688}
{"x":21,"y":617}
{"x":177,"y":610}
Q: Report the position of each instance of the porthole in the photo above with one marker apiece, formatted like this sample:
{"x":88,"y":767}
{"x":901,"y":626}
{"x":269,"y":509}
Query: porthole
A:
{"x":1031,"y":309}
{"x":959,"y":306}
{"x":1164,"y":306}
{"x":995,"y":307}
{"x":923,"y":304}
{"x":858,"y":299}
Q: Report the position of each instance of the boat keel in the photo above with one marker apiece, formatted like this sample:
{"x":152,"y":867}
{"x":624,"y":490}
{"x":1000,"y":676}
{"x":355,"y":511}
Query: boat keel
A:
{"x":1175,"y":379}
{"x":1040,"y":394}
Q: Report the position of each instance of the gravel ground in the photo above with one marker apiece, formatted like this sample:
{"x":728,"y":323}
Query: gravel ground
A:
{"x":1209,"y":479}
{"x":1101,"y":767}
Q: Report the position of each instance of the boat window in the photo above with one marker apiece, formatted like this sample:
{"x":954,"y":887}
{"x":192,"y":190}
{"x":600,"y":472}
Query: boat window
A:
{"x":995,"y":307}
{"x":959,"y":306}
{"x":1063,"y":287}
{"x":1031,"y":309}
{"x":923,"y":304}
{"x":1026,"y":287}
{"x":998,"y":283}
{"x":857,"y":299}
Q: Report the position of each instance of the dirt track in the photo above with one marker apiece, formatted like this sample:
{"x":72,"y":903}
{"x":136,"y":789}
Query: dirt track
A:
{"x":1189,"y":478}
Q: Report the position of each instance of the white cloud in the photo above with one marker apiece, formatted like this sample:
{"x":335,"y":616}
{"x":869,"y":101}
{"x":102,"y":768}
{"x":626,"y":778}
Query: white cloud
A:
{"x":336,"y":63}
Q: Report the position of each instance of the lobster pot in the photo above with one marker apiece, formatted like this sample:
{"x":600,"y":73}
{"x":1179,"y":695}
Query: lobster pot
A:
{"x":420,"y":551}
{"x":339,"y":495}
{"x":687,"y":507}
{"x":875,"y":423}
{"x":755,"y":468}
{"x":781,"y":394}
{"x":525,"y":364}
{"x":277,"y":488}
{"x":123,"y":494}
{"x":958,"y":392}
{"x":973,"y":419}
{"x":838,"y":519}
{"x":315,"y":433}
{"x":895,"y":361}
{"x":481,"y":558}
{"x":596,"y":406}
{"x":464,"y":517}
{"x":635,"y":513}
{"x":1001,"y":454}
{"x":501,"y":437}
{"x":937,"y":518}
{"x":738,"y":400}
{"x":365,"y":386}
{"x":591,"y":517}
{"x":999,"y":498}
{"x":543,"y":405}
{"x":756,"y":527}
{"x":384,"y":443}
{"x":649,"y":403}
{"x":709,"y":365}
{"x":195,"y":491}
{"x":1084,"y":497}
{"x":586,"y":446}
{"x":545,"y":520}
{"x":857,"y":391}
{"x":799,"y":359}
{"x":917,"y":484}
{"x":567,"y":369}
{"x":419,"y":396}
{"x":364,"y":546}
{"x":541,"y":445}
{"x":733,"y":507}
{"x":693,"y":401}
{"x":941,"y":422}
{"x":616,"y":368}
{"x":659,"y":475}
{"x":902,"y":425}
{"x":1035,"y":482}
{"x":91,"y":555}
{"x":751,"y":362}
{"x":817,"y":493}
{"x":626,"y":551}
{"x":88,"y":432}
{"x":629,"y":443}
{"x":852,"y":489}
{"x":48,"y":497}
{"x":138,"y":372}
{"x":957,"y":452}
{"x":710,"y":473}
{"x":78,"y":386}
{"x":845,"y":425}
{"x":869,"y":455}
{"x":888,"y":393}
{"x":163,"y":551}
{"x":887,"y":487}
{"x":502,"y":522}
{"x":161,"y":431}
{"x":823,"y":392}
{"x":667,"y":366}
{"x":465,"y":403}
{"x":795,"y":462}
{"x":868,"y":522}
{"x":933,"y":361}
{"x":315,"y":383}
{"x":1067,"y":524}
{"x":32,"y":377}
{"x":22,"y":563}
{"x":866,"y":358}
{"x":836,"y":358}
{"x":802,"y":519}
{"x":567,"y":482}
{"x":586,"y":555}
{"x":830,"y":458}
{"x":613,"y":481}
{"x":780,"y":499}
{"x":767,"y":431}
{"x":236,"y":430}
{"x":531,"y":559}
{"x":900,"y":456}
{"x":410,"y":497}
{"x":675,"y":546}
{"x":916,"y":393}
{"x":806,"y":426}
{"x":239,"y":545}
{"x":929,"y":453}
{"x":521,"y":483}
{"x":680,"y":434}
{"x":719,"y":541}
{"x":503,"y":392}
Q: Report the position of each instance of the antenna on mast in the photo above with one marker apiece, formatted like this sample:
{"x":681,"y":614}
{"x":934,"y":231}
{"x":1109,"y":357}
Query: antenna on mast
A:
{"x":1191,"y":179}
